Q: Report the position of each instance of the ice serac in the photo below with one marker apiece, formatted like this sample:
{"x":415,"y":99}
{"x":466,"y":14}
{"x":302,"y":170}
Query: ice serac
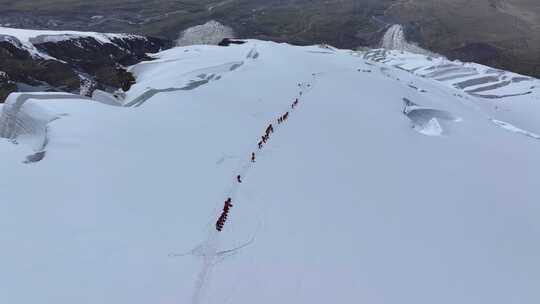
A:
{"x":22,"y":117}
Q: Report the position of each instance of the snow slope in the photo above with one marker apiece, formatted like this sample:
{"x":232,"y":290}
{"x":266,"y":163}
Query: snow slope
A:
{"x":349,"y":202}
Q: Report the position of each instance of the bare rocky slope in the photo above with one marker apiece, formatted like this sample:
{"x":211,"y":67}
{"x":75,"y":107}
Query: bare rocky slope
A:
{"x":500,"y":33}
{"x":74,"y":62}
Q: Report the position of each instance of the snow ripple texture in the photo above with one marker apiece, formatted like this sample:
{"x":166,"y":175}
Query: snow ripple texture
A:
{"x":474,"y":79}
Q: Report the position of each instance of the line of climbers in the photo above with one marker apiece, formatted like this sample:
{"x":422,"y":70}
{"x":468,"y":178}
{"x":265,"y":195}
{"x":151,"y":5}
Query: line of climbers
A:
{"x":223,"y":217}
{"x":295,"y":103}
{"x":283,"y":118}
{"x":264,"y":139}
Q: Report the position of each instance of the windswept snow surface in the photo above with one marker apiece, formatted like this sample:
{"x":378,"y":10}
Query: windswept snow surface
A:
{"x":501,"y":94}
{"x":347,"y":203}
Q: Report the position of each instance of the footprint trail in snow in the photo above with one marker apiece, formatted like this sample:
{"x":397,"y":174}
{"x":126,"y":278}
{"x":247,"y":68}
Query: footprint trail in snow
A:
{"x":209,"y":249}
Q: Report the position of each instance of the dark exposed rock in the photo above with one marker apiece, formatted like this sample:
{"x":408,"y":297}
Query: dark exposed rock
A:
{"x":100,"y":63}
{"x":21,"y":66}
{"x":6,"y":88}
{"x":229,"y":41}
{"x":104,"y":60}
{"x":476,"y":52}
{"x":4,"y":77}
{"x":86,"y":50}
{"x":113,"y":76}
{"x":88,"y":86}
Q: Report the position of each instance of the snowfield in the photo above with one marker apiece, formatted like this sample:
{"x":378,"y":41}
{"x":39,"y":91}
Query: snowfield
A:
{"x":383,"y":186}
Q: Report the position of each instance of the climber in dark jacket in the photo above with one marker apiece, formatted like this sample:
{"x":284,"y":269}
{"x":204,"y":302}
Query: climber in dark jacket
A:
{"x":269,"y":130}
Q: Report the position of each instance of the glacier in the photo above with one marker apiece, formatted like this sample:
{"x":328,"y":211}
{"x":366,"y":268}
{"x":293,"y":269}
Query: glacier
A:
{"x":346,"y":203}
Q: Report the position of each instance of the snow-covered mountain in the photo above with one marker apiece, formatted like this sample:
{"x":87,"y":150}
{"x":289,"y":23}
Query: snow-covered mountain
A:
{"x":386,"y":184}
{"x":70,"y":61}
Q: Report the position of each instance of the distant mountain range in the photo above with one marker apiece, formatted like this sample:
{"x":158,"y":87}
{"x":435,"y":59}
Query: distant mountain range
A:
{"x":501,"y":33}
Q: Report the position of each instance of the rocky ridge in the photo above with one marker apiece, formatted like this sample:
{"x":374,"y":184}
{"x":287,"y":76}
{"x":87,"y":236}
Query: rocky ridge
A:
{"x":76,"y":62}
